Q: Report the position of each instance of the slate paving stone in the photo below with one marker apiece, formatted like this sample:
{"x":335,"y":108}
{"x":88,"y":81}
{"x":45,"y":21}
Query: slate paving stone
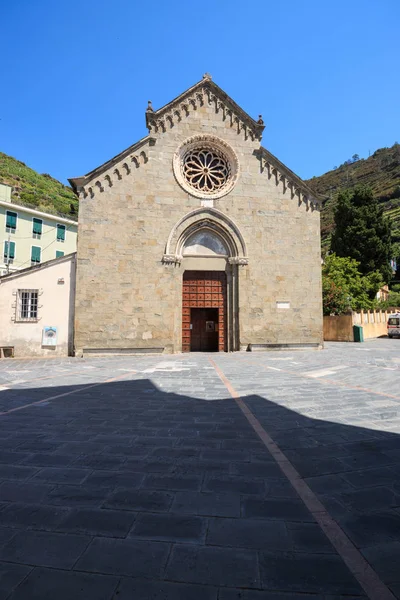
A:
{"x":369,"y":529}
{"x":370,"y":477}
{"x":213,"y":566}
{"x":229,"y":594}
{"x":175,"y":452}
{"x":207,"y":504}
{"x":280,"y":488}
{"x":147,"y":466}
{"x":365,"y":460}
{"x":13,"y":458}
{"x":369,"y":499}
{"x":32,"y":516}
{"x":6,"y":533}
{"x":308,"y":537}
{"x":130,"y":589}
{"x":99,"y":462}
{"x":328,"y":484}
{"x":53,"y":584}
{"x":170,"y":527}
{"x":44,"y":549}
{"x":113,"y":479}
{"x":275,"y":508}
{"x":308,"y":573}
{"x":77,"y":495}
{"x":39,"y":446}
{"x":140,"y":500}
{"x":100,"y":522}
{"x":61,"y":475}
{"x":133,"y":558}
{"x":238,"y":485}
{"x":10,"y":577}
{"x":41,"y":459}
{"x":248,"y":533}
{"x":12,"y":472}
{"x":322,"y":466}
{"x":171,"y":482}
{"x":385,"y":559}
{"x":263,"y":470}
{"x":32,"y":493}
{"x":121,"y":450}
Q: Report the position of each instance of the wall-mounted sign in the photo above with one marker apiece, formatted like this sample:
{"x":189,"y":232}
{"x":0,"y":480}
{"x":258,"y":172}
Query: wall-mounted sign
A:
{"x":283,"y":305}
{"x":49,"y":336}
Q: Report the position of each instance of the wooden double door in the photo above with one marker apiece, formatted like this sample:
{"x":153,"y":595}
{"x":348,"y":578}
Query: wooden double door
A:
{"x":203,"y":311}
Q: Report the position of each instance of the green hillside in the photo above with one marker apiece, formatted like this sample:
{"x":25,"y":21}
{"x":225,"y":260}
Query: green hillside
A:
{"x":381,"y":171}
{"x":40,"y":191}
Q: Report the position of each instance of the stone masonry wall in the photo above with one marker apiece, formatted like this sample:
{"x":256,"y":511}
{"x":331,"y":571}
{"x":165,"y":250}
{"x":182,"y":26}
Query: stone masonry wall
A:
{"x":126,"y":297}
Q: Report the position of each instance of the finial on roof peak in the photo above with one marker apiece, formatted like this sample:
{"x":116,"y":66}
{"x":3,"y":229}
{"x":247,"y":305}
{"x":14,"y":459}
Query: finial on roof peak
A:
{"x":260,"y":120}
{"x":150,"y":106}
{"x":207,"y":76}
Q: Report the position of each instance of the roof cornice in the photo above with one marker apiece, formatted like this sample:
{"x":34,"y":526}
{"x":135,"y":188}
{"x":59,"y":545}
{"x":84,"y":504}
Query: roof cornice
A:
{"x":96,"y":179}
{"x":38,"y":267}
{"x":203,"y":92}
{"x":39,"y":213}
{"x":273,"y":167}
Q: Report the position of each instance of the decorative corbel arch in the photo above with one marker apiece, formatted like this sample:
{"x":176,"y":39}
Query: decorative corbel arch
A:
{"x":211,"y":219}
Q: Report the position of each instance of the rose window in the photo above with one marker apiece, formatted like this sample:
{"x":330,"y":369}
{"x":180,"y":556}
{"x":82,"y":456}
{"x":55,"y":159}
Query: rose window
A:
{"x":206,"y":166}
{"x":205,"y":170}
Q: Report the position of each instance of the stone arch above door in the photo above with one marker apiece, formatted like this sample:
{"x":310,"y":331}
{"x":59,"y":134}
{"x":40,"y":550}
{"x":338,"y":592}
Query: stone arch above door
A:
{"x":208,"y":221}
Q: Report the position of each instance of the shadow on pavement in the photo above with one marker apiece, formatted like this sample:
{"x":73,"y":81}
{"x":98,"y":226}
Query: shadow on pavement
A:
{"x":125,"y":491}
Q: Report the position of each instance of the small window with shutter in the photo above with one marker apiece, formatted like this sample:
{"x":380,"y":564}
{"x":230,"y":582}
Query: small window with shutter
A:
{"x":60,"y":233}
{"x":9,"y":253}
{"x":37,"y":225}
{"x":35,"y":255}
{"x":11,"y":221}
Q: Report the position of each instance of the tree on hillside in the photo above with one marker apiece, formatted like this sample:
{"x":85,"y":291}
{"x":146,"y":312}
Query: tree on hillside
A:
{"x":355,"y":157}
{"x":344,"y":288}
{"x":362,"y":232}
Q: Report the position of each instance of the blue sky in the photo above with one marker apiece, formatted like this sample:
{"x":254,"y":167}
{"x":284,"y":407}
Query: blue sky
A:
{"x":76,"y":75}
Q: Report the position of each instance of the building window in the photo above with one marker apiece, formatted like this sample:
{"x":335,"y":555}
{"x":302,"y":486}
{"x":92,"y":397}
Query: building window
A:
{"x":27,"y":305}
{"x":60,"y":233}
{"x":11,"y":221}
{"x":35,"y":255}
{"x":37,"y":225}
{"x":59,"y":253}
{"x":9,"y":253}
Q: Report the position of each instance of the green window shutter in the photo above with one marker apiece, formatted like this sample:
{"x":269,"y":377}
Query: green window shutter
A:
{"x":60,"y":233}
{"x":59,"y":253}
{"x":11,"y":253}
{"x":37,"y":225}
{"x":11,"y":220}
{"x":35,"y":257}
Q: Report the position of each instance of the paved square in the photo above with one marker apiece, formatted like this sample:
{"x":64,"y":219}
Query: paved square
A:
{"x":202,"y":476}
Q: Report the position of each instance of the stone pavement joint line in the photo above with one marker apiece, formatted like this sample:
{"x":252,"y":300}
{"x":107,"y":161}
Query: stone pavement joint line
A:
{"x":332,"y":382}
{"x":80,"y":389}
{"x":359,"y":567}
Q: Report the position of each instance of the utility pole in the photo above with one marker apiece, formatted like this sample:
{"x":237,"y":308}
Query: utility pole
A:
{"x":8,"y":254}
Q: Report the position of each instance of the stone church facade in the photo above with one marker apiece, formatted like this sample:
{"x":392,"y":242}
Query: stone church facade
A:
{"x":197,"y":238}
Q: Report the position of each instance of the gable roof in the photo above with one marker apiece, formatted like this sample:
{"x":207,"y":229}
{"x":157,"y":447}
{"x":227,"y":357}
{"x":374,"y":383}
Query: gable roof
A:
{"x":156,"y":119}
{"x":38,"y":267}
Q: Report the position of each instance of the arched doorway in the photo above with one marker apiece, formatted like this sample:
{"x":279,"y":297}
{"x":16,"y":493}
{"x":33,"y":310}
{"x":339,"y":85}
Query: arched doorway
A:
{"x":209,"y":249}
{"x":204,"y":292}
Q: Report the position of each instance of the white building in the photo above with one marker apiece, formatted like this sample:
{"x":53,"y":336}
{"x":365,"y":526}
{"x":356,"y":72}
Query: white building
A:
{"x":29,"y":237}
{"x":37,"y":309}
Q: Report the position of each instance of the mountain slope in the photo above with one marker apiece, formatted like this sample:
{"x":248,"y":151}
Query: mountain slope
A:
{"x":381,"y":171}
{"x":37,"y":191}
